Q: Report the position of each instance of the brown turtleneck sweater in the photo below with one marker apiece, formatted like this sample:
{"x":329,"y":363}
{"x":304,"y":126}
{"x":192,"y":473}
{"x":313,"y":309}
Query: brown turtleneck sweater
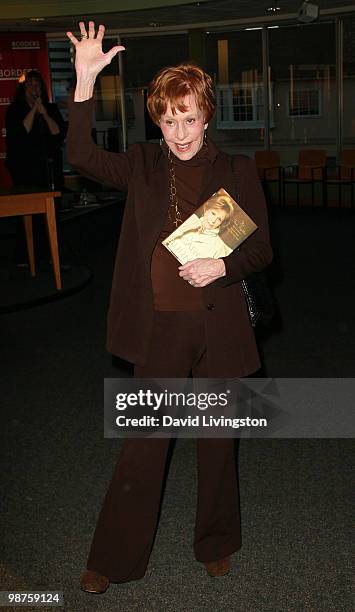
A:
{"x":170,"y":291}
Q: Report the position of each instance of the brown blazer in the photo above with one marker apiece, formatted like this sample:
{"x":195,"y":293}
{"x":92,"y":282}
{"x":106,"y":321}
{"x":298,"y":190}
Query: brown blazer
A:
{"x":143,"y":172}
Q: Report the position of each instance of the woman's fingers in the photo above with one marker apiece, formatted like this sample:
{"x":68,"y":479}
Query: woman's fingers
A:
{"x":100,"y":32}
{"x":72,"y":38}
{"x":200,"y":272}
{"x":112,"y":52}
{"x":90,"y":35}
{"x":83,"y":32}
{"x":91,"y":29}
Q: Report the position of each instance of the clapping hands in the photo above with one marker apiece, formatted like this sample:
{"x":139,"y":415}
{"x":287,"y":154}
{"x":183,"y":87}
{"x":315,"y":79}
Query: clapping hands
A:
{"x":39,"y":107}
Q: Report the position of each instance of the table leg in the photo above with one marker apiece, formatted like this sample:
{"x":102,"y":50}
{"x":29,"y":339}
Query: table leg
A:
{"x":27,"y":222}
{"x":53,"y":242}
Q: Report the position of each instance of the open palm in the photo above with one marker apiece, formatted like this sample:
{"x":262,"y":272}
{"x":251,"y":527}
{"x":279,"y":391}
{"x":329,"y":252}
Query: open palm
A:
{"x":89,"y":57}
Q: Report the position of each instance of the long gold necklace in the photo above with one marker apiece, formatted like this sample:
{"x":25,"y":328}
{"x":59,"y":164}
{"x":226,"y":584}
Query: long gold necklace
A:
{"x":174,"y":211}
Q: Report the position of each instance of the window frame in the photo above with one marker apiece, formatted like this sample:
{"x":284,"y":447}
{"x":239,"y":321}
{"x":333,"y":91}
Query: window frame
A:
{"x":315,"y":88}
{"x":232,"y":124}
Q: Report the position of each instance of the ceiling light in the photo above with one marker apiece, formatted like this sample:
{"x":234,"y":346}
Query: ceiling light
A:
{"x":36,"y":18}
{"x":273,"y":9}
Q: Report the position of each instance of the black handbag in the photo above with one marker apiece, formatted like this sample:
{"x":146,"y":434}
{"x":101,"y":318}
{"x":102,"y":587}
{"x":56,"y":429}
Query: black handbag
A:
{"x":259,"y":300}
{"x":257,"y":293}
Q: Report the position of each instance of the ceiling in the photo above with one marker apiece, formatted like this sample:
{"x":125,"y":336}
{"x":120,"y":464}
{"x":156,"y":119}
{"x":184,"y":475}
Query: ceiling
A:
{"x":58,"y":17}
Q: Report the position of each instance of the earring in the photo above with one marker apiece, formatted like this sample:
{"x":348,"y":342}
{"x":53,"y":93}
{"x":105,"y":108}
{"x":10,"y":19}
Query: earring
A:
{"x":161,"y":141}
{"x":205,"y":139}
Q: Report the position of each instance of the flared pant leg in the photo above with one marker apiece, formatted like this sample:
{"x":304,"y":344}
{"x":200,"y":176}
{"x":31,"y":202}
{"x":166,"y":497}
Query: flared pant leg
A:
{"x":217,"y":527}
{"x":125,"y":529}
{"x":126,"y":525}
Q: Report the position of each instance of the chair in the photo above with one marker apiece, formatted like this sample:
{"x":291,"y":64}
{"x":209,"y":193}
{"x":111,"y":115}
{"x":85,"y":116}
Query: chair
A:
{"x":345,"y":174}
{"x":269,"y":170}
{"x":311,"y":169}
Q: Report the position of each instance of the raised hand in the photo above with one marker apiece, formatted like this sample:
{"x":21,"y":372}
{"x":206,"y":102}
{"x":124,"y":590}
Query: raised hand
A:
{"x":89,"y":57}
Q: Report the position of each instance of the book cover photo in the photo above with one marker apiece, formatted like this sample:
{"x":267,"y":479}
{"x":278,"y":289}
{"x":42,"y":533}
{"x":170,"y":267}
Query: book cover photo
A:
{"x":215,"y":229}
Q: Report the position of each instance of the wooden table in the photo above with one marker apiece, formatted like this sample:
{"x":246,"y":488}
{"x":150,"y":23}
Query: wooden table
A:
{"x":15,"y":203}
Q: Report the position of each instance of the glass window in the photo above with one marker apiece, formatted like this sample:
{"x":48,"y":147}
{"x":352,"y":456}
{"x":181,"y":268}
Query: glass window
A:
{"x":240,"y":106}
{"x":304,"y":103}
{"x":234,"y":59}
{"x":302,"y":71}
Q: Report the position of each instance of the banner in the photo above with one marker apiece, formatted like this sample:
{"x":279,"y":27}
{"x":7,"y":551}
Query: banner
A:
{"x":19,"y":53}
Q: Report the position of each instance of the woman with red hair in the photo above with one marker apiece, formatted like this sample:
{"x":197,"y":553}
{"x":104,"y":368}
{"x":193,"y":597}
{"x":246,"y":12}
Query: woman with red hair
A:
{"x":170,"y":320}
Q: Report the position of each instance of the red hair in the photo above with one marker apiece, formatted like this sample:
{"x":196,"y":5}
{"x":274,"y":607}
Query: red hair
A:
{"x":173,"y":84}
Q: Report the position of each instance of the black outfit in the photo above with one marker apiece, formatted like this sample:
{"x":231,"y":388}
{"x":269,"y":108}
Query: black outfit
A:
{"x":34,"y":160}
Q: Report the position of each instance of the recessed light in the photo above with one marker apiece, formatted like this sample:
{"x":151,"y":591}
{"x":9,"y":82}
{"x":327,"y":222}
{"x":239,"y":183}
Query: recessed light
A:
{"x":273,"y":9}
{"x":36,"y":18}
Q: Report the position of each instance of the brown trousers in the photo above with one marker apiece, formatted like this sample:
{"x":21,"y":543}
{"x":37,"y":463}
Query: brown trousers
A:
{"x":125,"y":530}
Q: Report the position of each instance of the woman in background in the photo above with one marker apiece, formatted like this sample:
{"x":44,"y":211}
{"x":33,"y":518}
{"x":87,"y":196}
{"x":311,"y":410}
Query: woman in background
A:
{"x":35,"y":132}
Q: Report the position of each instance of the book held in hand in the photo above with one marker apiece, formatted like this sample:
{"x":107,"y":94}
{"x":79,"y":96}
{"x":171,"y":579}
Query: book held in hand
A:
{"x":214,"y":230}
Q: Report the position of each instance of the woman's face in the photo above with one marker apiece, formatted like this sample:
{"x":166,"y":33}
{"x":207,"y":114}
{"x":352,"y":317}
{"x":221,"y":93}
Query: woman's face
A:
{"x":213,"y":218}
{"x":33,"y":89}
{"x":184,"y":132}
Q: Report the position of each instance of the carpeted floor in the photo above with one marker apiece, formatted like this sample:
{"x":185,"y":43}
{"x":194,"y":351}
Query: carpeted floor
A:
{"x":19,"y":290}
{"x":295,"y":494}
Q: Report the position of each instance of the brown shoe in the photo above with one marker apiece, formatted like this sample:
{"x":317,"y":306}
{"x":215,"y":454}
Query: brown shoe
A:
{"x":218,"y":568}
{"x":93,"y":582}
